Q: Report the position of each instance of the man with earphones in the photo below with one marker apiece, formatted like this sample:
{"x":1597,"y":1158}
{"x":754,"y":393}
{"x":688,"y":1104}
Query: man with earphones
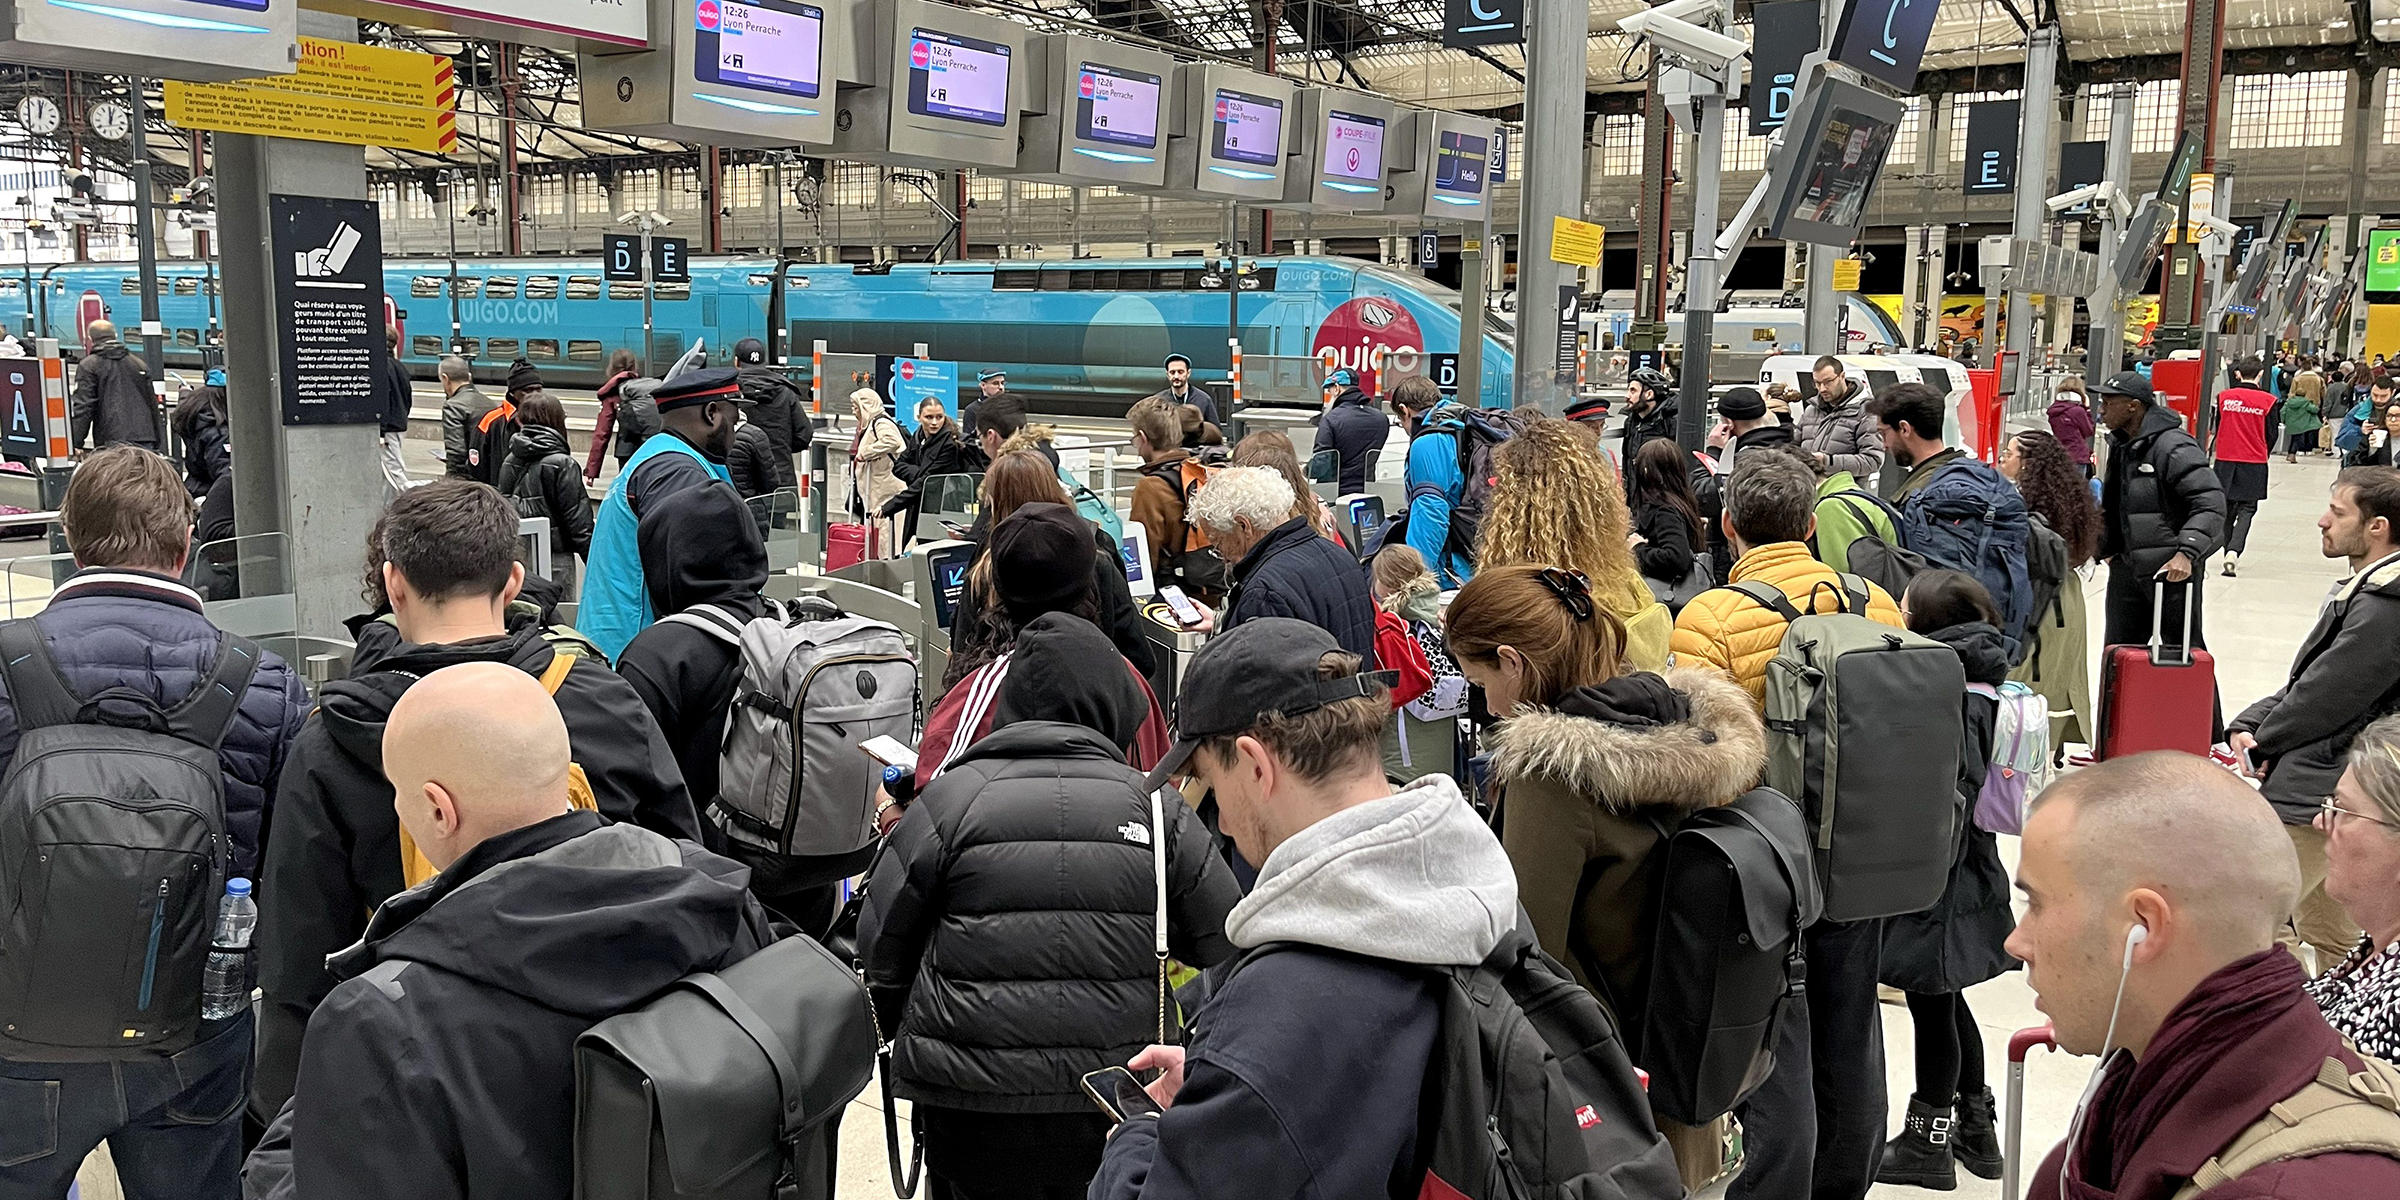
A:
{"x":2156,"y":885}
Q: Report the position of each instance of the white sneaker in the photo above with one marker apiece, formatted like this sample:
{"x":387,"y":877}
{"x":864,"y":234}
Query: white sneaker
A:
{"x":2231,"y":560}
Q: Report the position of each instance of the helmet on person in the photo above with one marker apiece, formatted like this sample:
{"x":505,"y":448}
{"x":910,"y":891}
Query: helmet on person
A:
{"x":1652,"y":380}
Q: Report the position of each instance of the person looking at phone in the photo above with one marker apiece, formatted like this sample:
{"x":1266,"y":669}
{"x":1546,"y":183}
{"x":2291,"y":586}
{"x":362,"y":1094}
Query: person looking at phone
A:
{"x":1306,"y":1064}
{"x":2347,"y":673}
{"x":1008,"y":931}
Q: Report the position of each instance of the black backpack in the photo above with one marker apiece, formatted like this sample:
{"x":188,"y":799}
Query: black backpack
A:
{"x":113,"y":856}
{"x":729,"y":1084}
{"x":1888,"y":565}
{"x":1736,"y":885}
{"x":2046,"y":562}
{"x":1529,"y":1091}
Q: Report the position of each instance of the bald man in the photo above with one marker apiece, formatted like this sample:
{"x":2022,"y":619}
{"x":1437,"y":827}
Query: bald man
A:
{"x":112,"y":403}
{"x":2155,"y":887}
{"x":442,"y":1065}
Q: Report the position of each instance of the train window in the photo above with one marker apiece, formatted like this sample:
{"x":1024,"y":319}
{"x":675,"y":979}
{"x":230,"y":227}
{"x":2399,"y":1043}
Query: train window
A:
{"x":210,"y":285}
{"x":616,"y":291}
{"x":500,"y":287}
{"x":129,"y":286}
{"x":1055,"y":281}
{"x":187,"y":285}
{"x":471,"y":348}
{"x":502,"y":347}
{"x":425,"y":345}
{"x":585,"y":287}
{"x":542,"y":349}
{"x":8,"y":287}
{"x":579,"y":350}
{"x":674,"y":291}
{"x":1016,"y":279}
{"x":541,"y":287}
{"x":424,"y":287}
{"x":188,"y":338}
{"x":760,"y":281}
{"x":466,"y":287}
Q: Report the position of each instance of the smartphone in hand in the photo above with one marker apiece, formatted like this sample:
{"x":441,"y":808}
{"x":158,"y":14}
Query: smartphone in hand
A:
{"x":890,"y":751}
{"x":1181,"y":605}
{"x":1117,"y":1093}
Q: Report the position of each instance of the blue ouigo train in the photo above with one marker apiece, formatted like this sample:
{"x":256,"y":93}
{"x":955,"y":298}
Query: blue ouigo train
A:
{"x":1078,"y":336}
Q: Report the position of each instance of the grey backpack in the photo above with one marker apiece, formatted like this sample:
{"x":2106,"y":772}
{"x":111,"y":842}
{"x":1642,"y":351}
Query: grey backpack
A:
{"x":1883,"y":806}
{"x":113,"y":855}
{"x":792,"y":779}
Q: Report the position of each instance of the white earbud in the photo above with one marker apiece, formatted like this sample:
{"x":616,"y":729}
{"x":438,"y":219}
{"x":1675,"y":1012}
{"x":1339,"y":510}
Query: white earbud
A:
{"x":2134,"y":937}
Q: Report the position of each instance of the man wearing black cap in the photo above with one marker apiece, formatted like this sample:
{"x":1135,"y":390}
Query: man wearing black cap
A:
{"x":1353,"y":427}
{"x":1746,"y":425}
{"x":1307,"y":1062}
{"x":698,"y":410}
{"x":775,"y":406}
{"x":2162,"y":510}
{"x":1179,"y":389}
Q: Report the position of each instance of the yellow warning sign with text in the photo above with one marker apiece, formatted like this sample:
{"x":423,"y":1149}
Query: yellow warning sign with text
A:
{"x":343,"y":92}
{"x":1576,"y":243}
{"x":1845,"y":274}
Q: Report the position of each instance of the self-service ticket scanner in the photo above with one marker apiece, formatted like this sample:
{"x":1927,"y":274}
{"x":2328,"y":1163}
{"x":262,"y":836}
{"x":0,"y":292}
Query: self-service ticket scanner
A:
{"x":1171,"y":645}
{"x":918,"y":594}
{"x":1359,"y":517}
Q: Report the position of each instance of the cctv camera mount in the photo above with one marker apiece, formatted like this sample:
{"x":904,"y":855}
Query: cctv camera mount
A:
{"x":1670,"y":29}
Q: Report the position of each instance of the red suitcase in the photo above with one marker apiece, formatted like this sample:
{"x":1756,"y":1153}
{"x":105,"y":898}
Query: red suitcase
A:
{"x":844,"y":544}
{"x":2157,"y":697}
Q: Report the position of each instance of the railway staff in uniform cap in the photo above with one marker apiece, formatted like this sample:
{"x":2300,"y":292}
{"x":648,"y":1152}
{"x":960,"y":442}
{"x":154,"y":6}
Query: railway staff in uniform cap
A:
{"x":993,"y":383}
{"x":698,"y":410}
{"x":1179,"y":389}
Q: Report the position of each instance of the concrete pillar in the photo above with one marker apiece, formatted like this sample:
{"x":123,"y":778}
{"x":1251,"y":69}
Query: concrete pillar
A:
{"x":1553,"y":186}
{"x":317,"y":484}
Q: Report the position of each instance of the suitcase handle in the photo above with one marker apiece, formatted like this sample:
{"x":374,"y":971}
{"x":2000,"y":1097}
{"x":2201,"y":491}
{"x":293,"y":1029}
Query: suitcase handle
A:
{"x":2020,"y":1044}
{"x":2158,"y":621}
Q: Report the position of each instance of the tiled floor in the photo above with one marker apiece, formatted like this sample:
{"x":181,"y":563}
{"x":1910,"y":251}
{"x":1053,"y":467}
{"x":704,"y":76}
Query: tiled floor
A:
{"x":2254,"y":624}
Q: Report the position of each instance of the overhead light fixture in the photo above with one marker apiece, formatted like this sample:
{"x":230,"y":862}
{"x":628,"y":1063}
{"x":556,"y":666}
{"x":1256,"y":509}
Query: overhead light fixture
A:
{"x":162,"y":20}
{"x":756,"y":106}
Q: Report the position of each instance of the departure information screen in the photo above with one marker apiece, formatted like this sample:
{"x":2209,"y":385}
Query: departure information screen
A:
{"x":1248,"y":128}
{"x":1460,"y":160}
{"x":1353,"y":146}
{"x":1117,"y":106}
{"x":961,"y":78}
{"x":769,"y":45}
{"x":1841,"y":167}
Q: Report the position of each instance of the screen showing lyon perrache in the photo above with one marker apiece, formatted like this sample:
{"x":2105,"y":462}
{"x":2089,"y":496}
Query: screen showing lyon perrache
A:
{"x":765,"y":45}
{"x":1841,"y":168}
{"x":1247,"y":128}
{"x":957,"y":77}
{"x":1113,"y":105}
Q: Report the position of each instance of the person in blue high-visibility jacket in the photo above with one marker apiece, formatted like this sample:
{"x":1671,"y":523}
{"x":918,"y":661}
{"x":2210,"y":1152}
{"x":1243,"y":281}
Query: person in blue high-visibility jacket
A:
{"x":1435,"y":484}
{"x":698,"y":410}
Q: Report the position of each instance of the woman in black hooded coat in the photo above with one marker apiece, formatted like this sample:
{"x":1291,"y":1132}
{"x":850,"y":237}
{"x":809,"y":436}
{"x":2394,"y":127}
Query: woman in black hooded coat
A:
{"x":1935,"y":955}
{"x":1008,"y":925}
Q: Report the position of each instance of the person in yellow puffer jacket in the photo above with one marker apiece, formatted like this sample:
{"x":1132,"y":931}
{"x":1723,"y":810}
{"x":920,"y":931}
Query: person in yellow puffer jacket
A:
{"x":1770,"y":509}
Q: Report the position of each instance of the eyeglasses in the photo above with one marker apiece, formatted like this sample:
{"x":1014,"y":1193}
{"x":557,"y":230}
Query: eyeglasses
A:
{"x":2335,"y":812}
{"x":1571,"y":588}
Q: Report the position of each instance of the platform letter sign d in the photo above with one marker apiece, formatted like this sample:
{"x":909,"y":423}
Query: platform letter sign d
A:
{"x":621,"y":257}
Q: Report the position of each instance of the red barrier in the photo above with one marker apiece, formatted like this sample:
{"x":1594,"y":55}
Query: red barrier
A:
{"x":1979,"y":413}
{"x":2176,"y":381}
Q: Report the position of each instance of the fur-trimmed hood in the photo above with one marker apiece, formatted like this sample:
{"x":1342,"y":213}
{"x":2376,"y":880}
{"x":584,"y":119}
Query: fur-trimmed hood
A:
{"x":1704,"y":760}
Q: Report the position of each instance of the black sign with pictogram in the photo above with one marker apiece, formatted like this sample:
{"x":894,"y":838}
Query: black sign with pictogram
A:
{"x":328,"y":257}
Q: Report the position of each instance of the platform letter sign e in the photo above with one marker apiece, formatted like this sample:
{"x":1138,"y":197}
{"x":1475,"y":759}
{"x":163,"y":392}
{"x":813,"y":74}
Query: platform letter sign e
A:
{"x":1992,"y":148}
{"x":667,"y":261}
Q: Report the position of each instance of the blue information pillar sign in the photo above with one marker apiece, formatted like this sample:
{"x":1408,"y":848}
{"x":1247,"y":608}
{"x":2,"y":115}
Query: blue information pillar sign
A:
{"x":915,"y":379}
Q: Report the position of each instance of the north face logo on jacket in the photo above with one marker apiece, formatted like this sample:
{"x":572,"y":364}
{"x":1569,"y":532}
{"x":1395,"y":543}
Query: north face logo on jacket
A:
{"x":1138,"y":834}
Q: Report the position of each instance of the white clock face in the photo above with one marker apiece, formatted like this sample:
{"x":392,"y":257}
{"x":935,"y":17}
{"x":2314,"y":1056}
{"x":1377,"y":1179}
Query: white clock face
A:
{"x":110,"y":120}
{"x":38,"y":114}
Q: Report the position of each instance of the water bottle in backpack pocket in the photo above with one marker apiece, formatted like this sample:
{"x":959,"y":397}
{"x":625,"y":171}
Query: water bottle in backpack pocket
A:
{"x":113,"y":855}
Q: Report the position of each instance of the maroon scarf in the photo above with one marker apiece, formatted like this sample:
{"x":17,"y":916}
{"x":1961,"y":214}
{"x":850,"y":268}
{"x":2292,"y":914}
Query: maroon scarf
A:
{"x":2245,"y":1038}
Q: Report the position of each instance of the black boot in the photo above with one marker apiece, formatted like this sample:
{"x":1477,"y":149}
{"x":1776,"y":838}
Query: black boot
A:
{"x":1920,"y":1156}
{"x":1975,"y":1143}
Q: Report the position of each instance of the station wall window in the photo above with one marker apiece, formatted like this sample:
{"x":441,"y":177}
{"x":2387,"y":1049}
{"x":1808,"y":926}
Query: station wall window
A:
{"x":424,"y":345}
{"x":541,"y":287}
{"x":2288,"y":110}
{"x":2391,"y":107}
{"x":499,"y":287}
{"x":585,"y":287}
{"x":502,"y":347}
{"x":542,"y":349}
{"x":1960,"y":105}
{"x":466,"y":287}
{"x":579,"y":350}
{"x":1621,"y":144}
{"x":549,"y":195}
{"x":424,"y":287}
{"x":187,"y":285}
{"x":2156,"y":123}
{"x":1742,"y":151}
{"x":1912,"y":132}
{"x":590,"y":198}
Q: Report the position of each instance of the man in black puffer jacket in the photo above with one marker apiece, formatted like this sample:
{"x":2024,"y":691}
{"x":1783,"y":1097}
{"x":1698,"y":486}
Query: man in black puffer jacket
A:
{"x":2163,"y":511}
{"x":776,"y":407}
{"x":1353,"y":427}
{"x":1009,"y":928}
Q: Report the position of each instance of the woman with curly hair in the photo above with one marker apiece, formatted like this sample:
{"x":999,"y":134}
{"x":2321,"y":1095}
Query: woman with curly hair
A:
{"x":2060,"y":497}
{"x":1555,"y":503}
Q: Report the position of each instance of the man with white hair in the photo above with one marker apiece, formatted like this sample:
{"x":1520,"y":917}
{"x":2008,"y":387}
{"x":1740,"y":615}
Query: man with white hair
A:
{"x":1281,"y":567}
{"x":2156,"y":885}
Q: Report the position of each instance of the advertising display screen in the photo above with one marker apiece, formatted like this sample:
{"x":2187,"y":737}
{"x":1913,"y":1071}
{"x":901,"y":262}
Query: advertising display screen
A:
{"x":958,"y":78}
{"x":766,"y":45}
{"x":2383,"y":265}
{"x":1247,"y":128}
{"x":1460,"y":161}
{"x":1353,"y":146}
{"x":1841,"y":166}
{"x":1117,"y":106}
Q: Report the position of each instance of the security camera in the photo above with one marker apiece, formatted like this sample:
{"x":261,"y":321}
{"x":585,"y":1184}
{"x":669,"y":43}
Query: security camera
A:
{"x":2069,"y":199}
{"x":1667,"y":27}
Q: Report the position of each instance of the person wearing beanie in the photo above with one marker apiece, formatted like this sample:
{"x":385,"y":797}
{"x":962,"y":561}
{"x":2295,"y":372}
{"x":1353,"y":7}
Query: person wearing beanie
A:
{"x":697,"y":411}
{"x":776,"y":407}
{"x":523,"y":377}
{"x":1179,"y":389}
{"x":1743,"y":423}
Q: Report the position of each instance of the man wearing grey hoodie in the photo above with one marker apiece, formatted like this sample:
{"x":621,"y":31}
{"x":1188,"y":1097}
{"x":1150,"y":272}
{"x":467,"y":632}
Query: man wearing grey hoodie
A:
{"x":1304,"y":1070}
